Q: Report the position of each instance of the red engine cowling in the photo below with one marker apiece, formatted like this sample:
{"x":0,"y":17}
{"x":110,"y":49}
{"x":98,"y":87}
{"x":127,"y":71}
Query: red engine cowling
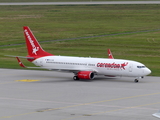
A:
{"x":85,"y":75}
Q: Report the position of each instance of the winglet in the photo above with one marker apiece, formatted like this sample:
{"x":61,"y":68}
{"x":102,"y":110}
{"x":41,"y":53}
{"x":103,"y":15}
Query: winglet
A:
{"x":20,"y":63}
{"x":110,"y":56}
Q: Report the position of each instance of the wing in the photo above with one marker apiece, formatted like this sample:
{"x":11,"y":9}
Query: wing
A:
{"x":157,"y":114}
{"x":72,"y":70}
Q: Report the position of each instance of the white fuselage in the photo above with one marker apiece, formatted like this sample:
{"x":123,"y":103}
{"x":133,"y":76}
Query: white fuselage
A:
{"x":101,"y":66}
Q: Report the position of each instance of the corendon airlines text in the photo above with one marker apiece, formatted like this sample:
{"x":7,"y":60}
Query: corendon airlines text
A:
{"x":112,"y":65}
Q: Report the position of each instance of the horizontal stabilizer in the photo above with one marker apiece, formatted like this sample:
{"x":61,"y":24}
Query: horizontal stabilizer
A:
{"x":20,"y":57}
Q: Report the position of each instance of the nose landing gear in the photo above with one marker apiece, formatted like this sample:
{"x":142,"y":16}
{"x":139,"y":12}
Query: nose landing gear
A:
{"x":137,"y":79}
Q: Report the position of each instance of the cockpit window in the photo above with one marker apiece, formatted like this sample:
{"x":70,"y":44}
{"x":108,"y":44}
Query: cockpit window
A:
{"x":141,"y":66}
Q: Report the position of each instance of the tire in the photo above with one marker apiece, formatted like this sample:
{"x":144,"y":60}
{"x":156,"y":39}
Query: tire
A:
{"x":75,"y":78}
{"x":136,"y":80}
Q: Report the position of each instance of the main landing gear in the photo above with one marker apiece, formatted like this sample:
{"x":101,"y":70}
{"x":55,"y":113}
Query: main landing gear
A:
{"x":75,"y":78}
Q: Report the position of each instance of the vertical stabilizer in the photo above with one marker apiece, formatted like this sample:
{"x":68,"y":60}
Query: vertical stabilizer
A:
{"x":34,"y":48}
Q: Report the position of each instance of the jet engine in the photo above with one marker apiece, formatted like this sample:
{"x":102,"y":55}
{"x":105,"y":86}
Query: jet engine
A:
{"x":85,"y":75}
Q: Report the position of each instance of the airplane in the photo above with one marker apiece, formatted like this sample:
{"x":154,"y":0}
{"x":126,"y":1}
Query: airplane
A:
{"x":82,"y":67}
{"x":156,"y":114}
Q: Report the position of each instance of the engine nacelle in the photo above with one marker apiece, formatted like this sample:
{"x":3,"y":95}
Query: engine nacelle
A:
{"x":85,"y":75}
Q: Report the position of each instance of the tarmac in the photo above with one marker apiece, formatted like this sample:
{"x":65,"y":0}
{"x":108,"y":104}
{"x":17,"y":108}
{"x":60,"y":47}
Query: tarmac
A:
{"x":46,"y":95}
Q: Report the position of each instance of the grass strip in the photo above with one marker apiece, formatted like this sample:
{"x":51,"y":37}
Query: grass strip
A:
{"x":80,"y":21}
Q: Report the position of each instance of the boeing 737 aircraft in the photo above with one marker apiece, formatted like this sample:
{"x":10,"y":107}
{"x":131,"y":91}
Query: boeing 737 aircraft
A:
{"x":82,"y":67}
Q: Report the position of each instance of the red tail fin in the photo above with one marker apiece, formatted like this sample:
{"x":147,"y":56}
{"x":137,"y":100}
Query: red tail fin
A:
{"x":34,"y":48}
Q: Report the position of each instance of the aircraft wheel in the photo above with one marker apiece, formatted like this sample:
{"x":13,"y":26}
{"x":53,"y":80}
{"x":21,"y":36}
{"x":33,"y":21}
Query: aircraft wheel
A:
{"x":75,"y":78}
{"x":136,"y":80}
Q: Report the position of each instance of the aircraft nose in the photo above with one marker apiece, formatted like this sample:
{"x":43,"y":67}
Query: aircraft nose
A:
{"x":147,"y":71}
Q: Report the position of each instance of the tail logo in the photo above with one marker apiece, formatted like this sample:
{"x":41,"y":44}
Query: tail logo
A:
{"x":34,"y":48}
